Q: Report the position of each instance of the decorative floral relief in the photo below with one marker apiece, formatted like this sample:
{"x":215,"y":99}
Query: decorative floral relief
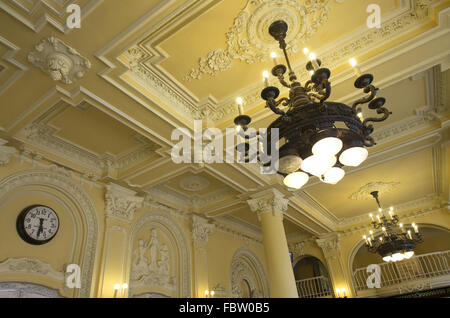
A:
{"x":248,"y":39}
{"x":59,"y":60}
{"x":382,"y":187}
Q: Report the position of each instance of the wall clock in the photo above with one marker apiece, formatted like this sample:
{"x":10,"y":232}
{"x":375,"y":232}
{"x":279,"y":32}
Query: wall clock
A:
{"x":37,"y":224}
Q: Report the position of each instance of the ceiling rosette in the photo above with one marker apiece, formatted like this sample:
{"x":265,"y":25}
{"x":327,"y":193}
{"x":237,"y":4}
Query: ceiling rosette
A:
{"x":248,"y":40}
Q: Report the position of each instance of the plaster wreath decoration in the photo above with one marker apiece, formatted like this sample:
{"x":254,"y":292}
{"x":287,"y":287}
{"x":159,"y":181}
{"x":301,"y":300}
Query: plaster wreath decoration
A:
{"x":248,"y":41}
{"x":364,"y":193}
{"x":59,"y":60}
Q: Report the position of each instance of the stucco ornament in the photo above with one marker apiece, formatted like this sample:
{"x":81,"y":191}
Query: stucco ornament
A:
{"x":382,"y":187}
{"x":248,"y":39}
{"x":121,"y":203}
{"x":194,"y":183}
{"x":151,"y":264}
{"x":59,"y":60}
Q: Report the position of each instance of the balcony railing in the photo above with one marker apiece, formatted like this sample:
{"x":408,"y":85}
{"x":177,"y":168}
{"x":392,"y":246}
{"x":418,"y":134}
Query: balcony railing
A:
{"x":425,"y":266}
{"x":314,"y":287}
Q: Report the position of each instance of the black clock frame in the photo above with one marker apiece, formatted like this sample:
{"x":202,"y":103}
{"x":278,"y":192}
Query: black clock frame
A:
{"x":20,"y":225}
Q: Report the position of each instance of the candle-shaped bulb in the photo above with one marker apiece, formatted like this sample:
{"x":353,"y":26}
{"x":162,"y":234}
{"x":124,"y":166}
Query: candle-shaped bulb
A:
{"x":266,"y":78}
{"x":371,"y":216}
{"x":379,"y":210}
{"x":360,"y":115}
{"x":343,"y":291}
{"x":383,"y":229}
{"x":355,"y":67}
{"x":274,"y":56}
{"x":409,"y":234}
{"x":240,"y":103}
{"x":381,"y":238}
{"x":391,"y":208}
{"x":125,"y":286}
{"x":391,"y":214}
{"x":306,"y":51}
{"x":313,"y":59}
{"x":117,"y":286}
{"x":337,"y":292}
{"x":371,"y":234}
{"x":206,"y":292}
{"x":311,"y":72}
{"x":378,"y":218}
{"x":416,"y":229}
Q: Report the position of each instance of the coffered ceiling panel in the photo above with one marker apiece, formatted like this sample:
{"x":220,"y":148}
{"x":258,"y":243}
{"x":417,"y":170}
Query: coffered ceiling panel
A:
{"x":95,"y":131}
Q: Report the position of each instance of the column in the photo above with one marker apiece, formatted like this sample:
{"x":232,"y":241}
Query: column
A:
{"x":201,"y":229}
{"x":121,"y":203}
{"x":330,"y":246}
{"x":270,"y":206}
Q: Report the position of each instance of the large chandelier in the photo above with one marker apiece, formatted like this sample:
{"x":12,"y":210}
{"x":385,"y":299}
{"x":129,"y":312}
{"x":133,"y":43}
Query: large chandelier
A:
{"x":396,"y":241}
{"x":317,"y":138}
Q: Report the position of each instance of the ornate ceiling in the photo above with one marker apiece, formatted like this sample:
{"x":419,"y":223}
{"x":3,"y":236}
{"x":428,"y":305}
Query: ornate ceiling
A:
{"x":103,"y":100}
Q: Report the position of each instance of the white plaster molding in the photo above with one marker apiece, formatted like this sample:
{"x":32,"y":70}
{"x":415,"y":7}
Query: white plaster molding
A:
{"x":121,"y":203}
{"x":85,"y":207}
{"x":9,"y":57}
{"x":6,"y":152}
{"x":59,"y":60}
{"x":30,"y":266}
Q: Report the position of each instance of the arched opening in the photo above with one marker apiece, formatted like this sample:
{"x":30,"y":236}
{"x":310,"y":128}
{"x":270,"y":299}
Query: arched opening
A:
{"x":247,"y":276}
{"x":430,"y":263}
{"x":312,"y":277}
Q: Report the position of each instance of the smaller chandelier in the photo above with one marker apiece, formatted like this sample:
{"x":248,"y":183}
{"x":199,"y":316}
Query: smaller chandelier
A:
{"x":397,"y":241}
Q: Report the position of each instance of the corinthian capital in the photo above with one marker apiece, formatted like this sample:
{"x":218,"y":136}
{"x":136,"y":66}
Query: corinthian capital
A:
{"x":201,"y":229}
{"x":121,"y":203}
{"x":329,"y":245}
{"x":269,"y":201}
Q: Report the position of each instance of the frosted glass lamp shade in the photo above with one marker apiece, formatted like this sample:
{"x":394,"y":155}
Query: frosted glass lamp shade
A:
{"x":327,"y":146}
{"x":317,"y":165}
{"x":354,"y":156}
{"x":296,"y":180}
{"x":334,"y":175}
{"x":289,"y":164}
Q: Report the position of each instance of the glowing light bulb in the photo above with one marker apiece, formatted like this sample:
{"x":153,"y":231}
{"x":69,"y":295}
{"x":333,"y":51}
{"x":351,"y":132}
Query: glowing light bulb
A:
{"x":306,"y":51}
{"x":240,"y":103}
{"x":274,"y":56}
{"x":266,"y":78}
{"x":117,"y":286}
{"x":409,"y":254}
{"x":355,"y":67}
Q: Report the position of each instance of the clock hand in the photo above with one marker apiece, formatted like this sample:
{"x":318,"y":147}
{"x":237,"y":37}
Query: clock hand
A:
{"x":41,"y":226}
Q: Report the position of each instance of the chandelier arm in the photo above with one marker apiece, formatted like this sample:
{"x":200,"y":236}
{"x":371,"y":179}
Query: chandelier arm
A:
{"x":273,"y":106}
{"x":283,"y":82}
{"x":372,"y":91}
{"x":386,"y":113}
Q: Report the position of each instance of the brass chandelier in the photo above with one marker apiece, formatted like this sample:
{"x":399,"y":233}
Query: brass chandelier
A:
{"x":317,"y":137}
{"x":396,"y":241}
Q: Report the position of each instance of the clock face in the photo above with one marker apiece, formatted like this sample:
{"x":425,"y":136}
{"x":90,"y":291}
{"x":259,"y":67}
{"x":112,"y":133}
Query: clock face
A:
{"x":37,"y":224}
